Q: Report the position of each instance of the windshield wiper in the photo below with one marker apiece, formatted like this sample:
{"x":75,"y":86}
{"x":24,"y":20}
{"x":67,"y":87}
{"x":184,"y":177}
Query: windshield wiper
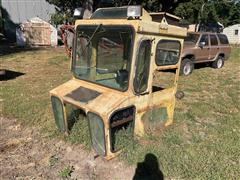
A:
{"x":96,"y":30}
{"x":90,"y":39}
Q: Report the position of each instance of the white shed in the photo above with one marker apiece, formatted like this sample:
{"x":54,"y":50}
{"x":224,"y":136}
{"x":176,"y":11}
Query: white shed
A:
{"x":233,"y":33}
{"x":36,"y":32}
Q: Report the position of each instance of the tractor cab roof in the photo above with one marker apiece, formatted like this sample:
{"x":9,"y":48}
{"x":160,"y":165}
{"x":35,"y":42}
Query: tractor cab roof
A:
{"x":136,"y":16}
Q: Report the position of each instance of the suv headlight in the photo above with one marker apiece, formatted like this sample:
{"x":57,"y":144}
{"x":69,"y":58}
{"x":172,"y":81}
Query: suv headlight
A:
{"x":97,"y":133}
{"x":58,"y":113}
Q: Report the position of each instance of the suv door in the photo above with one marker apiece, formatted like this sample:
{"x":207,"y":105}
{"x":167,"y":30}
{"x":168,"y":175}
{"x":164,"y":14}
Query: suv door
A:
{"x":214,"y":50}
{"x":203,"y":52}
{"x":224,"y":45}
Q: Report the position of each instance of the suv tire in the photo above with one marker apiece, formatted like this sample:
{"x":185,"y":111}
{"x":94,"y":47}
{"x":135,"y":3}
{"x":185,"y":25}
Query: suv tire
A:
{"x":186,"y":67}
{"x":218,"y":63}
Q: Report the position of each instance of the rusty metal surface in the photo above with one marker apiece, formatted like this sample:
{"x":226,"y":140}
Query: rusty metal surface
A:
{"x":82,"y":94}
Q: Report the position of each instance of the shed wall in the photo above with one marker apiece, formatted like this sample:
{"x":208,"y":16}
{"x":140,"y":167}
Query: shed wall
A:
{"x":230,"y":33}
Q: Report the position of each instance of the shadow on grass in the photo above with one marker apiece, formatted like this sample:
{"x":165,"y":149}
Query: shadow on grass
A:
{"x":6,"y":75}
{"x":148,"y":169}
{"x":7,"y":48}
{"x":202,"y":65}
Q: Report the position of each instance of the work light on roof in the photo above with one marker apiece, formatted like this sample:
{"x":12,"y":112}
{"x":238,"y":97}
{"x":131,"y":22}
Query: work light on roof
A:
{"x":134,"y":11}
{"x":78,"y":12}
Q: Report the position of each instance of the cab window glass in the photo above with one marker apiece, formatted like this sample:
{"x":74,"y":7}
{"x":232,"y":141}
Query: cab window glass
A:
{"x":213,"y":39}
{"x":204,"y":38}
{"x":142,"y":67}
{"x":167,"y":52}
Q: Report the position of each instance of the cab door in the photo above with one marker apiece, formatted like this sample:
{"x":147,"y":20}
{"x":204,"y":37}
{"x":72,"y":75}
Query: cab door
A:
{"x":164,"y":84}
{"x":141,"y":83}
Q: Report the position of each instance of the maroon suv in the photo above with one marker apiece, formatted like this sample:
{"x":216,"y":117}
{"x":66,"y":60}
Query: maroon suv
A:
{"x":204,"y":47}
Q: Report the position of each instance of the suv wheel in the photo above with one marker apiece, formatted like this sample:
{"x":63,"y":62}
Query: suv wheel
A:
{"x":186,"y":67}
{"x":218,"y":63}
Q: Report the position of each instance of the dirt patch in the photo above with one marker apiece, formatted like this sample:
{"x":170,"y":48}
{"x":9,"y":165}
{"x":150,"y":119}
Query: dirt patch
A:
{"x":26,"y":154}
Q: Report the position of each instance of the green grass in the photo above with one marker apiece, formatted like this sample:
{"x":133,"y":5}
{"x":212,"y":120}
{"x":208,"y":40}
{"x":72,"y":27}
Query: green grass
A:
{"x":80,"y":133}
{"x":66,"y":172}
{"x":203,"y":142}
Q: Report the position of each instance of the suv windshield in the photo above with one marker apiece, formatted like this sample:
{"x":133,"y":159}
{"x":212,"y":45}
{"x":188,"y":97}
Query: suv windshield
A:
{"x":191,"y":38}
{"x":103,"y":55}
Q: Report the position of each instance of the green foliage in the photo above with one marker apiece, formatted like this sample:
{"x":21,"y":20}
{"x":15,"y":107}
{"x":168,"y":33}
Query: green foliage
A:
{"x":61,"y":18}
{"x":195,"y":11}
{"x":66,"y":172}
{"x":153,"y":5}
{"x":64,"y":10}
{"x":191,"y":11}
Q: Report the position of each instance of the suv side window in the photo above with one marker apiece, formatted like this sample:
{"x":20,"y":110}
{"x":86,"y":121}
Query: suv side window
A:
{"x":167,"y":52}
{"x":142,"y":67}
{"x":223,"y":38}
{"x":213,"y":39}
{"x":204,"y":38}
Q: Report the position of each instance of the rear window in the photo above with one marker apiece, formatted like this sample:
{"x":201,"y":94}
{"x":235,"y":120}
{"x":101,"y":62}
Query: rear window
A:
{"x":223,"y":39}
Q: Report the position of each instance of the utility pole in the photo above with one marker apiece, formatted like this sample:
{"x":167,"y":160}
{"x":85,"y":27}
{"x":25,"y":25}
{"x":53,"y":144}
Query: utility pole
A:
{"x":200,"y":16}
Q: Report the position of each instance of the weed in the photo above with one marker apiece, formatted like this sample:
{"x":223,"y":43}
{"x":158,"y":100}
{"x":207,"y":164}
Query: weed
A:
{"x":122,"y":138}
{"x":53,"y":160}
{"x":66,"y":172}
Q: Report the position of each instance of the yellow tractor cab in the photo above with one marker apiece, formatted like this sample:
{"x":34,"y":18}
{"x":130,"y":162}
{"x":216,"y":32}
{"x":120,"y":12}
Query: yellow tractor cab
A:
{"x":125,"y":73}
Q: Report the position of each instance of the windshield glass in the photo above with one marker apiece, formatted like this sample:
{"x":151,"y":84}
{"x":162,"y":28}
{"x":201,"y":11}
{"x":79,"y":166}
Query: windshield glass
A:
{"x":103,"y":55}
{"x":191,"y":38}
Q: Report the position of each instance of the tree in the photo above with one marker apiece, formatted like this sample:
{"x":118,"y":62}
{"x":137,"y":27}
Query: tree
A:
{"x":189,"y":11}
{"x":65,"y":8}
{"x":1,"y":21}
{"x":226,"y":12}
{"x":152,"y":5}
{"x":234,"y":15}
